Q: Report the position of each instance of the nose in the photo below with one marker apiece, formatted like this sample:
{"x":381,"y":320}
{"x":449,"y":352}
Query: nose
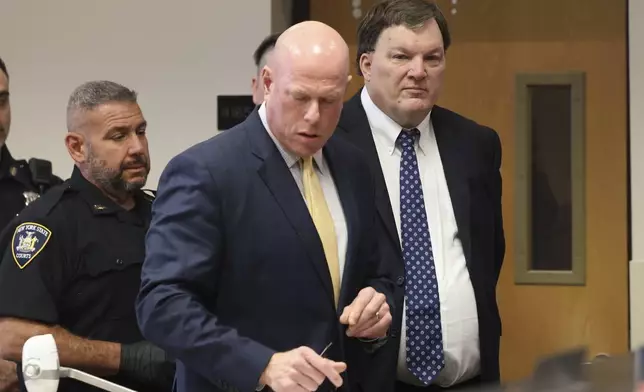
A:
{"x":312,"y":112}
{"x":417,"y":68}
{"x":137,"y":144}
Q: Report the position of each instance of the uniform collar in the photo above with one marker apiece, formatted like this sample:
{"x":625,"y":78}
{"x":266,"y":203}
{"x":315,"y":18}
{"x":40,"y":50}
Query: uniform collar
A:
{"x":6,"y":162}
{"x":100,"y":204}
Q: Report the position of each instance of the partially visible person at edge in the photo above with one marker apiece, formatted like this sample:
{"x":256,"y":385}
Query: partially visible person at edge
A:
{"x":19,"y":185}
{"x":261,"y":57}
{"x":17,"y":190}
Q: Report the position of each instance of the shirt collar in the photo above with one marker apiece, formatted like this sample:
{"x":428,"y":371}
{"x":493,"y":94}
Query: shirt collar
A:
{"x":290,"y":158}
{"x":386,"y":130}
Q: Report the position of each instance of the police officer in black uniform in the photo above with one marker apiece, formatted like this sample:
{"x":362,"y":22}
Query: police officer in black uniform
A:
{"x":72,"y":259}
{"x":20,"y":182}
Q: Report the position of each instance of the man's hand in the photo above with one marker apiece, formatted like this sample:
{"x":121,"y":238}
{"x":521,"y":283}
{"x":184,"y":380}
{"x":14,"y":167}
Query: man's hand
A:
{"x":8,"y":377}
{"x":368,"y":316}
{"x":301,"y":370}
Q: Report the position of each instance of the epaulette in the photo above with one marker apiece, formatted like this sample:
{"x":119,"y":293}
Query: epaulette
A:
{"x":44,"y":204}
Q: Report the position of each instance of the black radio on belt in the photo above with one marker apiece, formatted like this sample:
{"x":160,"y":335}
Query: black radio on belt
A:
{"x":41,"y":173}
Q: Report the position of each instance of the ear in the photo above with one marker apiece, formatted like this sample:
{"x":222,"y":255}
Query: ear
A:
{"x":365,"y":65}
{"x":75,"y":143}
{"x":266,"y":79}
{"x":253,"y":84}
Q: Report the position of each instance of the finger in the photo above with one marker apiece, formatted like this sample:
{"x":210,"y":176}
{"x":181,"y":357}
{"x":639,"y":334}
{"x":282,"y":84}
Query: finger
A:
{"x":340,"y":366}
{"x":372,"y":314}
{"x":358,"y":329}
{"x":358,"y":305}
{"x":290,"y":385}
{"x":344,"y":317}
{"x":374,"y":306}
{"x":305,"y":381}
{"x":325,"y":366}
{"x":309,"y":372}
{"x":378,"y":330}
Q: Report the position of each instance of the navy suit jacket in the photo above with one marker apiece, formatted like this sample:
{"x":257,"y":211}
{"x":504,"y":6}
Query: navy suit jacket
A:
{"x":235,"y":270}
{"x":471,"y":158}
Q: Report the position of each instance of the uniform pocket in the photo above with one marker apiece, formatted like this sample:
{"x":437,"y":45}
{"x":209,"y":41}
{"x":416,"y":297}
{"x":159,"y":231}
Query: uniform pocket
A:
{"x":111,"y":282}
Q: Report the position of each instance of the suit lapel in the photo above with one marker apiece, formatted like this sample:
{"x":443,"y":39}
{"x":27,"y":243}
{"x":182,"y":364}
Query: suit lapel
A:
{"x":457,"y":179}
{"x":355,"y":126}
{"x":346,"y":192}
{"x":276,"y":175}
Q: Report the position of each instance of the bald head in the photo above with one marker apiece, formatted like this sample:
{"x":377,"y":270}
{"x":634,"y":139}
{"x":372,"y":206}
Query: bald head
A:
{"x":304,"y":83}
{"x":312,"y":46}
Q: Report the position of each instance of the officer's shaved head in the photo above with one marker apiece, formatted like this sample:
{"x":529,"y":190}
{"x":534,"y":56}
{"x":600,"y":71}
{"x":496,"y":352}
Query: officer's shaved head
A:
{"x":106,"y":137}
{"x":91,"y":95}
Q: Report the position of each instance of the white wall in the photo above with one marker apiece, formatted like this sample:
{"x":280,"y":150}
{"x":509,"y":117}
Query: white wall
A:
{"x":636,"y":76}
{"x":179,"y":55}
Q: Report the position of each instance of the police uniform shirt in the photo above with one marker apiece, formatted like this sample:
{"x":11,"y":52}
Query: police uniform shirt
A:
{"x":15,"y":186}
{"x":74,"y":259}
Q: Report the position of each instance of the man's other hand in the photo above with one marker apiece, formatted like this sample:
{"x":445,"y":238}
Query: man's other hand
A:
{"x":368,"y":316}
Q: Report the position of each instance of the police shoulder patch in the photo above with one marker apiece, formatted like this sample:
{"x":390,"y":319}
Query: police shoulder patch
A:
{"x":29,"y":239}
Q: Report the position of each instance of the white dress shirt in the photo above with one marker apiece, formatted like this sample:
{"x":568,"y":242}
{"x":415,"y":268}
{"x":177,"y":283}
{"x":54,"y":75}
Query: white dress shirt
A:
{"x":328,"y":188}
{"x":459,"y":319}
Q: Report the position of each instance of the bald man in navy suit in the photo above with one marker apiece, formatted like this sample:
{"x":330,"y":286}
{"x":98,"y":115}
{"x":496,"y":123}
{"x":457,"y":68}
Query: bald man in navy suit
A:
{"x":262,"y":268}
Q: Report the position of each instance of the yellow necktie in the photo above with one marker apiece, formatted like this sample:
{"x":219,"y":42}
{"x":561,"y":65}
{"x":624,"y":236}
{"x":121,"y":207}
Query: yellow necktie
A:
{"x":323,"y":221}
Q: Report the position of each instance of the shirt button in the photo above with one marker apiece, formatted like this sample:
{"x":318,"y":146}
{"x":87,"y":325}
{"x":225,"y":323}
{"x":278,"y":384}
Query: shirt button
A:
{"x":119,"y":261}
{"x":400,"y":280}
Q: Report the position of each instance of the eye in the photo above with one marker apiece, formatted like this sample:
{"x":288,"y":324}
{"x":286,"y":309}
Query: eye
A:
{"x":399,"y":56}
{"x":118,"y":137}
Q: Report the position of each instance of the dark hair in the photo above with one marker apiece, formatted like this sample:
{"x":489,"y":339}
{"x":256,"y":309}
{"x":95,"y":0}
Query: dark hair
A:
{"x":411,"y":13}
{"x":267,"y":44}
{"x":3,"y":67}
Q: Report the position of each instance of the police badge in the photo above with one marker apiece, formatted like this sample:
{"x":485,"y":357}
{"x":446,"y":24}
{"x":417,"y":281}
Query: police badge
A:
{"x":30,"y":197}
{"x":28,"y":240}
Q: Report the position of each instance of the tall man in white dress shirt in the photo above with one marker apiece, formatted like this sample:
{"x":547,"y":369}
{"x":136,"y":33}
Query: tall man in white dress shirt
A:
{"x":439,"y":203}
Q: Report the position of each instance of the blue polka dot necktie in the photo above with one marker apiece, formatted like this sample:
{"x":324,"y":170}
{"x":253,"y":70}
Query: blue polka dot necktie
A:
{"x":424,"y":334}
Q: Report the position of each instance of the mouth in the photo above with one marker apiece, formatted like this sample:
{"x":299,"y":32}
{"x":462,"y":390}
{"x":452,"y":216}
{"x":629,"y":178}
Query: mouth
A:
{"x":415,"y":89}
{"x":309,"y":136}
{"x":135,"y":168}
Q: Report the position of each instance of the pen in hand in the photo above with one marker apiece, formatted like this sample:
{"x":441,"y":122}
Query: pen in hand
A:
{"x":333,"y":387}
{"x":325,"y":349}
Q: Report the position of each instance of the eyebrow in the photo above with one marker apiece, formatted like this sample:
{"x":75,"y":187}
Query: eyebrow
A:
{"x":126,"y":129}
{"x":4,"y":94}
{"x":438,"y":49}
{"x":118,"y":129}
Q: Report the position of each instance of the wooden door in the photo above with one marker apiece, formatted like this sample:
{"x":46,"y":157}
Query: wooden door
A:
{"x":493,"y":40}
